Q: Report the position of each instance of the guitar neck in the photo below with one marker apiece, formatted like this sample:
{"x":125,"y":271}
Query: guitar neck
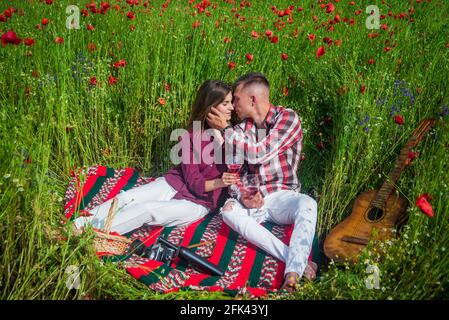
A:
{"x":389,"y":184}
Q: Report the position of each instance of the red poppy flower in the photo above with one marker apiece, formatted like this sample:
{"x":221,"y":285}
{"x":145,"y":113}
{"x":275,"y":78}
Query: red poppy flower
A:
{"x":29,"y":41}
{"x":274,"y":39}
{"x":3,"y":18}
{"x":112,"y":80}
{"x":90,"y":27}
{"x":311,"y":37}
{"x":338,"y":42}
{"x":231,"y":65}
{"x":320,"y":145}
{"x":399,"y":119}
{"x":10,"y":37}
{"x":327,"y":40}
{"x":162,"y":101}
{"x":59,"y":40}
{"x":167,"y":86}
{"x":285,"y":91}
{"x":130,"y":15}
{"x":386,"y":49}
{"x":284,"y":56}
{"x":226,"y":40}
{"x":268,"y":33}
{"x":45,"y":21}
{"x":91,"y":47}
{"x":423,"y":204}
{"x":362,"y":89}
{"x":132,"y":28}
{"x":196,"y":24}
{"x":93,"y":81}
{"x":249,"y":57}
{"x":320,"y":52}
{"x":384,"y":27}
{"x":410,"y":157}
{"x":120,"y":63}
{"x":254,"y":34}
{"x":371,"y":61}
{"x":373,"y":35}
{"x":330,"y":7}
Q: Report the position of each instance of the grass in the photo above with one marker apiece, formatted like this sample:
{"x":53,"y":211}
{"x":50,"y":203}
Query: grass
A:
{"x":52,"y":119}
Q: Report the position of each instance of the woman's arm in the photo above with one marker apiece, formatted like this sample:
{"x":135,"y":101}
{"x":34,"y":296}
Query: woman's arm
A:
{"x":198,"y":185}
{"x":226,"y":180}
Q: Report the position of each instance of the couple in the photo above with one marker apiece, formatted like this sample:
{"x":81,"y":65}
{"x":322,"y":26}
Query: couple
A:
{"x":191,"y":190}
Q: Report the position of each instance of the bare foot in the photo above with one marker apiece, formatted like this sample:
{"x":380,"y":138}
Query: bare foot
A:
{"x":291,"y":281}
{"x":310,"y":271}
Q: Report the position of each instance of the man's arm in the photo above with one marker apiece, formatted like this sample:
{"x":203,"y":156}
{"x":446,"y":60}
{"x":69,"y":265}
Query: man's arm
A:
{"x":285,"y":133}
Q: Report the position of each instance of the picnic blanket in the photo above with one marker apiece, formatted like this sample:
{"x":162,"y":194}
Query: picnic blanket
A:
{"x":248,"y":269}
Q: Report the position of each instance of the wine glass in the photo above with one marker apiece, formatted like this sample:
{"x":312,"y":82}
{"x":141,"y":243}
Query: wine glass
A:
{"x":234,"y":167}
{"x":250,"y":185}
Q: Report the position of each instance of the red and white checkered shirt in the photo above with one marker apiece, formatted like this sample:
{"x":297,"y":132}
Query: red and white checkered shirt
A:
{"x":273,"y":154}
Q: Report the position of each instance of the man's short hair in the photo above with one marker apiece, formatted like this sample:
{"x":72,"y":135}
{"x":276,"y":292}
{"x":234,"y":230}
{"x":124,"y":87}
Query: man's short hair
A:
{"x":251,"y":78}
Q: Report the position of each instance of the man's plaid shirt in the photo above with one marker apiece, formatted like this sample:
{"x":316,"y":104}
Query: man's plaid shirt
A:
{"x":273,"y":156}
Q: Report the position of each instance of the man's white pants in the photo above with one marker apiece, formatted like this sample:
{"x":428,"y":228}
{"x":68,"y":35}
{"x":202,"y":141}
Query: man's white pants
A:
{"x":281,"y":207}
{"x":150,"y":203}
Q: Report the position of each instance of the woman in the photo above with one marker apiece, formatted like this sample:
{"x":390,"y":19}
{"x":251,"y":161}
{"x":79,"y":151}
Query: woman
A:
{"x":187,"y":192}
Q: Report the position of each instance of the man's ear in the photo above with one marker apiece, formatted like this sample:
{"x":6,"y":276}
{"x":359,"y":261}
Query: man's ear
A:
{"x":253,"y":100}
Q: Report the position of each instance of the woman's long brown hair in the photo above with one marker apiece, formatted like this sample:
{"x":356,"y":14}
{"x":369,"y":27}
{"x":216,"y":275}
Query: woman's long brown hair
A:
{"x":210,"y":94}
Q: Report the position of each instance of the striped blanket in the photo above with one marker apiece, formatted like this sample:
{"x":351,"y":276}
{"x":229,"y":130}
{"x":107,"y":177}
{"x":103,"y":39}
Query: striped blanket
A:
{"x":248,"y":269}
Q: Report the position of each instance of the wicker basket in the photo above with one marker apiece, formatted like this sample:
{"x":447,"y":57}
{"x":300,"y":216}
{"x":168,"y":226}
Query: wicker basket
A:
{"x":106,"y":242}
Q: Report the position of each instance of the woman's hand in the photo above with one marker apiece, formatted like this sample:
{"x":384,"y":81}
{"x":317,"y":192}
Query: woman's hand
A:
{"x":225,"y":181}
{"x":229,"y":178}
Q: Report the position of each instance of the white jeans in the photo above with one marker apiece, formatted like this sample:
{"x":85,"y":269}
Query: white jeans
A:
{"x":150,"y":203}
{"x":281,"y":207}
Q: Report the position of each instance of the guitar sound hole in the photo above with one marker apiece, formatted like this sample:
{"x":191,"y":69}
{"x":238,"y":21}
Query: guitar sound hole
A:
{"x":375,"y":214}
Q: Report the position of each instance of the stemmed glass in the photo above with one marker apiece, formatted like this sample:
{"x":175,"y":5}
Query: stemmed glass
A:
{"x":250,"y":185}
{"x":234,"y":168}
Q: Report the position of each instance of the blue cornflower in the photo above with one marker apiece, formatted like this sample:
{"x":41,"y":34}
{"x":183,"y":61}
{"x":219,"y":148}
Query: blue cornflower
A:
{"x":380,"y":101}
{"x":365,"y":120}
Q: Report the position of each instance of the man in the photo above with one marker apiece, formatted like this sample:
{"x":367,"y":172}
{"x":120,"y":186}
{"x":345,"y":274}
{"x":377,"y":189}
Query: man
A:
{"x":275,"y":157}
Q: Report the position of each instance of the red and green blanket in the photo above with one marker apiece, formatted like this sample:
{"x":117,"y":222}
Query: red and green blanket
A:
{"x":248,"y":268}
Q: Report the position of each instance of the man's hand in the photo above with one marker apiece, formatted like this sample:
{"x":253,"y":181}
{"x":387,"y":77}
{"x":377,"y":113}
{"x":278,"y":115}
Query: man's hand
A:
{"x":216,"y":119}
{"x":252,"y":202}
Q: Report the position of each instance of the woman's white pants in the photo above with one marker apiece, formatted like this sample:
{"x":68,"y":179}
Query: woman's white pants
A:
{"x":151,"y":203}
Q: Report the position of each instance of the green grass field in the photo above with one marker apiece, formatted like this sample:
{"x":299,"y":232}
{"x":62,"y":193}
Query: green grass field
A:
{"x":59,"y":108}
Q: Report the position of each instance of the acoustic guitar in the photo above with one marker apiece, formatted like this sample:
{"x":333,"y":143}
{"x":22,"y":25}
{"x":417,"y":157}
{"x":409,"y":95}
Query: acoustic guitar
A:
{"x":375,"y":213}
